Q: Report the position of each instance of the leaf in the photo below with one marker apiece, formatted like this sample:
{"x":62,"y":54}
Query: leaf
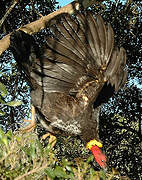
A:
{"x":1,"y":101}
{"x":67,"y":164}
{"x":14,"y":103}
{"x":47,"y":149}
{"x":1,"y":133}
{"x":32,"y":151}
{"x":103,"y":174}
{"x":50,"y":173}
{"x":69,"y":168}
{"x":3,"y":90}
{"x":9,"y":134}
{"x":39,"y":145}
{"x":2,"y":113}
{"x":3,"y":138}
{"x":5,"y":141}
{"x":90,"y":159}
{"x":59,"y":172}
{"x":18,"y":138}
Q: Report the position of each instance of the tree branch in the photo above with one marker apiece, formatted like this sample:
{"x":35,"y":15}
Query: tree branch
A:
{"x":8,"y":12}
{"x":36,"y":26}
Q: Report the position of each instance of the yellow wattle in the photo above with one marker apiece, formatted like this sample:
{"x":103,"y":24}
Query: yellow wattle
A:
{"x":93,"y":143}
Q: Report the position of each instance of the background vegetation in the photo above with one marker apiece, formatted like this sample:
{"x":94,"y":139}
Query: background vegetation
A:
{"x":120,"y":120}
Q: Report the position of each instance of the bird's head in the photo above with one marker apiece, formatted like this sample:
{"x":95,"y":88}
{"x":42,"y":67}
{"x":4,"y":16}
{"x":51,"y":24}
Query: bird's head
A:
{"x":100,"y":158}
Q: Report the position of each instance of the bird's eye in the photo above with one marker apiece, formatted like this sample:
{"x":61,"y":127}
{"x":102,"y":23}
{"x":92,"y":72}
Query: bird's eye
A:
{"x":102,"y":160}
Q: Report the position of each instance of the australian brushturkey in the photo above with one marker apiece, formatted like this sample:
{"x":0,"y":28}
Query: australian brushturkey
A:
{"x":77,"y":70}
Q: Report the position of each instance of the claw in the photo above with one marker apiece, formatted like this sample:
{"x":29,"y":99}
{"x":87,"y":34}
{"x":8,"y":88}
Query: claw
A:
{"x":52,"y":139}
{"x":32,"y":122}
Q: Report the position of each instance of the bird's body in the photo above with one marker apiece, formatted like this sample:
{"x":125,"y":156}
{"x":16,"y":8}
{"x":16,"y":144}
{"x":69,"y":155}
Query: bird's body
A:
{"x":69,"y":77}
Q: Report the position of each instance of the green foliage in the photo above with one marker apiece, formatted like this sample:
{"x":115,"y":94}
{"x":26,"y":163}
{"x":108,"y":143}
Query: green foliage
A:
{"x":3,"y":90}
{"x":14,"y":103}
{"x":22,"y":155}
{"x":2,"y":113}
{"x":3,"y":93}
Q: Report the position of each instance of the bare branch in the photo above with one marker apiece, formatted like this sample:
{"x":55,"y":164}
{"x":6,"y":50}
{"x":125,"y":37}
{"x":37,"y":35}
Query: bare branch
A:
{"x":8,"y":12}
{"x":36,"y":26}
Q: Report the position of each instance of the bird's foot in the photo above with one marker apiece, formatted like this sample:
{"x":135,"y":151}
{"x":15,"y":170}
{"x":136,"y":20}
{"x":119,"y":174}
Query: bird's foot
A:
{"x":32,"y":122}
{"x":52,"y":139}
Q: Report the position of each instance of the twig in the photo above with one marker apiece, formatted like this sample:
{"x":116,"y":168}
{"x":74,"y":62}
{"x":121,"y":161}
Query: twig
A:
{"x":37,"y":169}
{"x":36,"y":26}
{"x":8,"y":12}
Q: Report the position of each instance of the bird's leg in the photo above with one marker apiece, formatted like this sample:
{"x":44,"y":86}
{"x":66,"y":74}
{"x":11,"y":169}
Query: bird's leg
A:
{"x":52,"y":139}
{"x":32,"y":122}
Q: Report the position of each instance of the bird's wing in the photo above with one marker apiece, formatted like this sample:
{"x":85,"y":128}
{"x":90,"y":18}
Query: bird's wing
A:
{"x":80,"y":50}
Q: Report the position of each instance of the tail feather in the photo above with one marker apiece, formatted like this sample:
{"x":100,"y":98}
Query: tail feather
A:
{"x":72,"y":38}
{"x":101,"y":28}
{"x":93,"y":39}
{"x":54,"y":58}
{"x":64,"y":50}
{"x":109,"y":43}
{"x":114,"y":63}
{"x":101,"y":40}
{"x":115,"y":72}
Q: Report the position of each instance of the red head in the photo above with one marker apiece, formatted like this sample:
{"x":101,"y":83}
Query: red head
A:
{"x":99,"y":156}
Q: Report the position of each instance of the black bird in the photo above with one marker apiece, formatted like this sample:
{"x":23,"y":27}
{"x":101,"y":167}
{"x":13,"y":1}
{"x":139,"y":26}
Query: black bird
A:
{"x":77,"y":70}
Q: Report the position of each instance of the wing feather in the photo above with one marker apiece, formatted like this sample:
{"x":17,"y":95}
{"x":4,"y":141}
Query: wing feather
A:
{"x":80,"y":47}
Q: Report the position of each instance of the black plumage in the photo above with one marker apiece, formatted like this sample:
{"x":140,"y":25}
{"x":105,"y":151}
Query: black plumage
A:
{"x":69,"y":80}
